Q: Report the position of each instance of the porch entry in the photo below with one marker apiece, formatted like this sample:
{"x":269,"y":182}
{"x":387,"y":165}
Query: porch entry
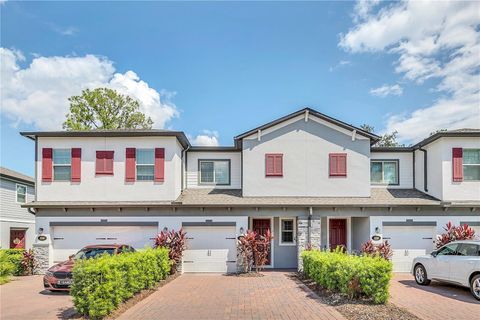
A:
{"x":337,"y":233}
{"x":17,"y":238}
{"x":260,"y":226}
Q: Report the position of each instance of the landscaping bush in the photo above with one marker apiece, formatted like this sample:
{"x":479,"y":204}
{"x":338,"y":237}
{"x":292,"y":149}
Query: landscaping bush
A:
{"x":453,"y":233}
{"x":7,"y":268}
{"x":175,"y":242}
{"x":383,"y":249}
{"x":15,"y":257}
{"x":351,"y":275}
{"x":101,"y":284}
{"x":253,"y":250}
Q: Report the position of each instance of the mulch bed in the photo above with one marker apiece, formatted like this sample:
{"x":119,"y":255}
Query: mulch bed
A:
{"x":356,"y":309}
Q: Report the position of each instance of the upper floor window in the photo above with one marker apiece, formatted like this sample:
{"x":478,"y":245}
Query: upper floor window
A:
{"x":62,"y":164}
{"x":471,"y":164}
{"x":384,"y":172}
{"x":274,"y":165}
{"x":21,"y":193}
{"x":145,"y":164}
{"x":215,"y":172}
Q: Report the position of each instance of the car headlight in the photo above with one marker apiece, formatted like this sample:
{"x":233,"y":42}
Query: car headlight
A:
{"x":49,"y":274}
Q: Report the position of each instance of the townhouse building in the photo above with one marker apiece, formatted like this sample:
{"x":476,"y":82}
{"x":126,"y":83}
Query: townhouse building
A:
{"x":309,"y":178}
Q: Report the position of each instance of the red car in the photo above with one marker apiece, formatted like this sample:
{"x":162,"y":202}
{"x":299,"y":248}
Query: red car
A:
{"x":59,"y":276}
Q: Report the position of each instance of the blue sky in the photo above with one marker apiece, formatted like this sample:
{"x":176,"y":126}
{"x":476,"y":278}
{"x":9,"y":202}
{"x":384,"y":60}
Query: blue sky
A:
{"x":215,"y":70}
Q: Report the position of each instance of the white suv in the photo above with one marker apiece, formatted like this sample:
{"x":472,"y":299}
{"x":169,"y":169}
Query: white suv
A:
{"x":456,"y":262}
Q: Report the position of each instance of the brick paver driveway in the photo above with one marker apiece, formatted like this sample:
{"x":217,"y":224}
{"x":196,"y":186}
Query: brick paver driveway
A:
{"x":436,"y":301}
{"x":24,"y":298}
{"x":204,"y":296}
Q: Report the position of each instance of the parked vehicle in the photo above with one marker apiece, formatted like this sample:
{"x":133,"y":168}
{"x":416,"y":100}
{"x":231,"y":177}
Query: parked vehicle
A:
{"x":59,"y":276}
{"x":457,"y":262}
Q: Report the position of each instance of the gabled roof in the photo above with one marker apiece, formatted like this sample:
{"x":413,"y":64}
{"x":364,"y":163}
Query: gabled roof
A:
{"x":14,"y":175}
{"x":465,"y":132}
{"x":373,"y":137}
{"x":180,"y":135}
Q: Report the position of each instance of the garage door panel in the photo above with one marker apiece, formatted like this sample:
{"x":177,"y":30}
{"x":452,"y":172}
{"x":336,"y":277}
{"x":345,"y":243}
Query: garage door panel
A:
{"x":210,"y":249}
{"x":67,"y":240}
{"x":408,"y":242}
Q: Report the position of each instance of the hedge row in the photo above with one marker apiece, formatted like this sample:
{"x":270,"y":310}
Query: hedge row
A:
{"x":349,"y":274}
{"x":101,"y":284}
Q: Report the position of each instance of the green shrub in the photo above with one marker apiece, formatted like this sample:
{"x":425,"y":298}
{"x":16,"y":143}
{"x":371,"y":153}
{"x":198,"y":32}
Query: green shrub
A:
{"x":15,"y":257}
{"x":7,"y":268}
{"x":101,"y":284}
{"x":349,"y":274}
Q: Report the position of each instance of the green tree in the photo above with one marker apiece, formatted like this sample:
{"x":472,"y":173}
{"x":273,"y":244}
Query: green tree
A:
{"x":386,"y":140}
{"x":104,"y":108}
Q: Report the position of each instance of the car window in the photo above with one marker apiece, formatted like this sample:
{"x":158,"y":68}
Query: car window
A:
{"x":93,"y":252}
{"x":468,"y":249}
{"x":448,"y":250}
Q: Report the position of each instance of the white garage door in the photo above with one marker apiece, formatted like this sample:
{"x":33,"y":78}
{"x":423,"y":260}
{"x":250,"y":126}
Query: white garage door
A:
{"x":68,"y":240}
{"x":407,"y":243}
{"x":210,"y":249}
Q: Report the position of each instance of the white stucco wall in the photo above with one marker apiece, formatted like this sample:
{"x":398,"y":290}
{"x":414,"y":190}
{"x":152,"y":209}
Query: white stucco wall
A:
{"x":439,"y":171}
{"x":193,"y":173}
{"x":405,"y":164}
{"x":305,"y":147}
{"x":111,"y":188}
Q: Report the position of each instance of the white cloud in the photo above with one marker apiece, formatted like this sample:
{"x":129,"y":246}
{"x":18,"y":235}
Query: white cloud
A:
{"x":363,"y":8}
{"x":386,"y":90}
{"x":37,"y":94}
{"x":341,"y":63}
{"x":432,"y":40}
{"x":206,"y":138}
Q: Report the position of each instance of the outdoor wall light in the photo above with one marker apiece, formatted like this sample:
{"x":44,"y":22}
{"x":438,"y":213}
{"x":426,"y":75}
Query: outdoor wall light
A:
{"x":165,"y":229}
{"x":241,"y":230}
{"x":40,"y":230}
{"x":377,"y":229}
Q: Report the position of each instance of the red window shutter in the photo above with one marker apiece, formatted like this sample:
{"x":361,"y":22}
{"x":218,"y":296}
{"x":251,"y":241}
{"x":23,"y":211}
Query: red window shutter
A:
{"x":76,"y":164}
{"x":104,"y":162}
{"x":338,"y":164}
{"x":108,"y":163}
{"x":159,"y":164}
{"x":47,"y":164}
{"x":457,"y":164}
{"x":274,"y":164}
{"x":130,"y":164}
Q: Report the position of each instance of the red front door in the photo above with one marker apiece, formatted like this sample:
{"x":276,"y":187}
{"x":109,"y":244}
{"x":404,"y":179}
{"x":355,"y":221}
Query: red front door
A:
{"x":338,"y":233}
{"x":260,"y":226}
{"x":17,"y":239}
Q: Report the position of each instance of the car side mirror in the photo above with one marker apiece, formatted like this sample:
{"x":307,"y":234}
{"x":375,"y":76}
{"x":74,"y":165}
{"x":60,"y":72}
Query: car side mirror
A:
{"x":434,"y":253}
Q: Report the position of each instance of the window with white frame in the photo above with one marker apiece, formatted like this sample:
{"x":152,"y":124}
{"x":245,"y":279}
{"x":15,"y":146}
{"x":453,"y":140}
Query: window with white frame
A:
{"x":287,"y":231}
{"x":214,"y":172}
{"x":471,"y":164}
{"x":145,"y":164}
{"x":62,"y":164}
{"x":384,"y":172}
{"x":21,"y":193}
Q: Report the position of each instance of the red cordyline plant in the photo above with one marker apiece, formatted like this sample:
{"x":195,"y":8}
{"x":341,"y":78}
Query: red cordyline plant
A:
{"x":453,"y":233}
{"x":253,"y":250}
{"x":383,"y":249}
{"x":175,"y":242}
{"x":28,"y":262}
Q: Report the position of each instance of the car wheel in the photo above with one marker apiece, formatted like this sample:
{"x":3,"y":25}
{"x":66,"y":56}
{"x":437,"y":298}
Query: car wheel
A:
{"x":421,"y":275}
{"x":475,"y":286}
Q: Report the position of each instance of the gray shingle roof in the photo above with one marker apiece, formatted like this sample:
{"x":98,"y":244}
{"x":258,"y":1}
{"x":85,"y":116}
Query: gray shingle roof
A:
{"x":379,"y":197}
{"x":8,"y":173}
